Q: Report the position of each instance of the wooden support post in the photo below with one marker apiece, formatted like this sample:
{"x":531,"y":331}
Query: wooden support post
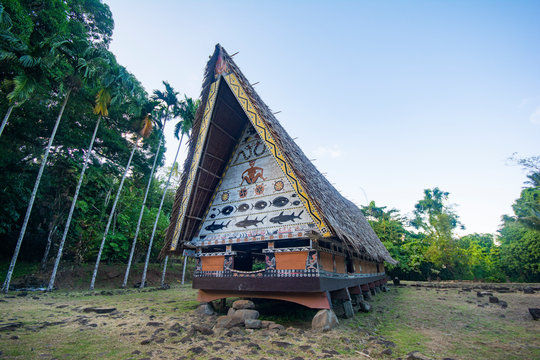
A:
{"x":347,"y":306}
{"x":329,"y":300}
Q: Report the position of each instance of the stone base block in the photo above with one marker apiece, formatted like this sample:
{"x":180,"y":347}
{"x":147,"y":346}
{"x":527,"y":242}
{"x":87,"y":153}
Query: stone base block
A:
{"x":324,"y":320}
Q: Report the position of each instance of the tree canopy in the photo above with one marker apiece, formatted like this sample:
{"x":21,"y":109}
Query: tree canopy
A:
{"x":48,"y":47}
{"x":427,"y":247}
{"x":58,"y":49}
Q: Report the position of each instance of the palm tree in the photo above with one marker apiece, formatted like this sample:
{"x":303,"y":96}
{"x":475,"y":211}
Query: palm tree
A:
{"x":167,"y":110}
{"x":187,"y":113}
{"x":5,"y":287}
{"x":122,"y":80}
{"x":52,"y":231}
{"x":32,"y":66}
{"x":11,"y":45}
{"x":103,"y":98}
{"x":82,"y":58}
{"x":145,"y":132}
{"x":23,"y":88}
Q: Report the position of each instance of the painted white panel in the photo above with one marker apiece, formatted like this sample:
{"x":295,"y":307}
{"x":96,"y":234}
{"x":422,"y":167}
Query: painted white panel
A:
{"x":254,"y":198}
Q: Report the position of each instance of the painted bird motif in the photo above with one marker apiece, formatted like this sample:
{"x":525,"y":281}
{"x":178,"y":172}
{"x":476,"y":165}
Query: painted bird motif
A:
{"x":284,"y":218}
{"x":213,"y":226}
{"x":246,"y":222}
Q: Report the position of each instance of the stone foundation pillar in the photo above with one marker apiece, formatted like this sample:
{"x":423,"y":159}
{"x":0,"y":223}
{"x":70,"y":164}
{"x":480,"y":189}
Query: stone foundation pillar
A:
{"x":349,"y":311}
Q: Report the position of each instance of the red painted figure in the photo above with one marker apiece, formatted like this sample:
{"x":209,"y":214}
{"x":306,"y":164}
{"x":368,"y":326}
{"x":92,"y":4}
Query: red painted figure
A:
{"x":252,"y":174}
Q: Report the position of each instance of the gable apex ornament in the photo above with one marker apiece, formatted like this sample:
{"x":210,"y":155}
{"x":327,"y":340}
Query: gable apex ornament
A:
{"x":221,"y":65}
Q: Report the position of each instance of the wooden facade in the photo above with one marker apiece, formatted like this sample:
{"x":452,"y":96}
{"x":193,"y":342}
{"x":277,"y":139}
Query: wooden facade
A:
{"x":264,"y":222}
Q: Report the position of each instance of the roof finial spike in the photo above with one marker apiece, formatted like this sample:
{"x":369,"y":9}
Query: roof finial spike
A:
{"x":255,"y":83}
{"x":235,"y":53}
{"x":277,"y":112}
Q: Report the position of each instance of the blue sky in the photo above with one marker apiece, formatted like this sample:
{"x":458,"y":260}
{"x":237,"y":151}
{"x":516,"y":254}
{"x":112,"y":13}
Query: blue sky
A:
{"x":389,"y":97}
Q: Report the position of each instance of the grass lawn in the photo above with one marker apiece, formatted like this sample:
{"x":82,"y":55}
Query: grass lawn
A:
{"x":440,"y":323}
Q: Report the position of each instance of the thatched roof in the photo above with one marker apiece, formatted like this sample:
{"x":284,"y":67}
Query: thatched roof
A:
{"x":344,"y":219}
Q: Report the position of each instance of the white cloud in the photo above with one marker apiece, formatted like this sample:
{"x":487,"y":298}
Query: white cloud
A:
{"x":535,"y":117}
{"x":325,"y":152}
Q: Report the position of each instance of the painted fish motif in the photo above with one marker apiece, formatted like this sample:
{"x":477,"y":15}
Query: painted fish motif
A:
{"x":280,"y":201}
{"x":243,"y":207}
{"x":284,"y":218}
{"x":260,"y":205}
{"x":227,"y":210}
{"x":296,"y":202}
{"x":212,"y":216}
{"x":246,"y":222}
{"x":213,"y":226}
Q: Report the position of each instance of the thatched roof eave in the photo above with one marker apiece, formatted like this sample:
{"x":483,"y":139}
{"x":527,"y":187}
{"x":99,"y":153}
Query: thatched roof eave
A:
{"x":344,"y":218}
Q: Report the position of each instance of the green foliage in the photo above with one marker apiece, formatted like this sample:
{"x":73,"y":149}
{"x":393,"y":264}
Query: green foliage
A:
{"x":258,"y":265}
{"x":50,"y":47}
{"x":436,"y":252}
{"x":49,"y":40}
{"x":520,"y":234}
{"x":438,"y":222}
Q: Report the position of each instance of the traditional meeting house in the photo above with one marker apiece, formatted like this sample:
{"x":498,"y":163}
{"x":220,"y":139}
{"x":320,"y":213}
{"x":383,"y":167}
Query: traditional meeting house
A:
{"x":264,"y":221}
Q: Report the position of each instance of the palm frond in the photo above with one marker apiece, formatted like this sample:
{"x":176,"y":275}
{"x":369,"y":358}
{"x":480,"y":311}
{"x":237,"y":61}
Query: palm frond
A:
{"x":11,"y":41}
{"x":5,"y":19}
{"x":147,"y":126}
{"x":23,"y":89}
{"x":7,"y":56}
{"x":29,"y":61}
{"x":103,"y":99}
{"x":177,"y":129}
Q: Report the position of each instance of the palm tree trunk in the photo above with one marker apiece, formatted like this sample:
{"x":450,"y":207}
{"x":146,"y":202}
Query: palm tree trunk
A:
{"x":184,"y":268}
{"x":72,"y":209}
{"x":124,"y":283}
{"x":47,"y":248}
{"x":5,"y":287}
{"x":164,"y":271}
{"x":157,"y":216}
{"x":4,"y":122}
{"x":92,"y":283}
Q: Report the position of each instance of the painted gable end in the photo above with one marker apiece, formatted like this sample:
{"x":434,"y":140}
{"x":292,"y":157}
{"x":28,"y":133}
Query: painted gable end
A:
{"x":254,"y":200}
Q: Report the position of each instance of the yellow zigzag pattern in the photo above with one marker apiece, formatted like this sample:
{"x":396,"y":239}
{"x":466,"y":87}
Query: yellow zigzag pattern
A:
{"x":260,"y":126}
{"x":203,"y":132}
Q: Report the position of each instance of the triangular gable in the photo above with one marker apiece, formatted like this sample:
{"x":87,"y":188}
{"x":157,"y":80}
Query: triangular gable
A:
{"x":254,"y":200}
{"x":276,"y":152}
{"x":272,"y":146}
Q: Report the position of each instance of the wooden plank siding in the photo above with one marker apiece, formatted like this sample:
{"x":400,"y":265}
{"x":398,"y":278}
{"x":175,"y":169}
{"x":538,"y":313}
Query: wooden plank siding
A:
{"x":326,"y":261}
{"x":212,"y":263}
{"x":291,"y":260}
{"x":340,"y":264}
